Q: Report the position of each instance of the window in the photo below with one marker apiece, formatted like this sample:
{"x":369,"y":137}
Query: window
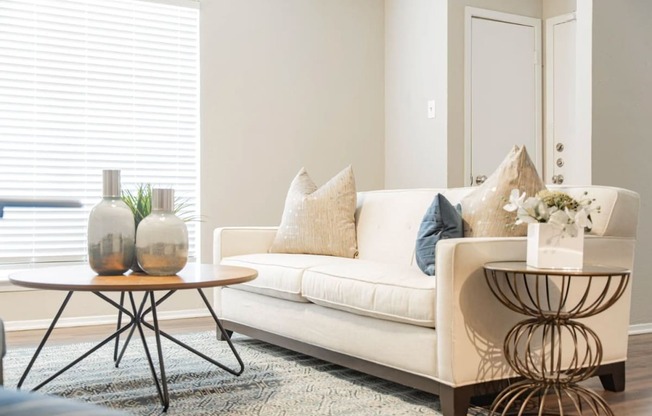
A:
{"x":90,"y":85}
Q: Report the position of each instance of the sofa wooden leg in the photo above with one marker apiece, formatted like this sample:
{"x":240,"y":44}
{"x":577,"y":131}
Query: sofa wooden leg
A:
{"x":614,"y":380}
{"x":220,"y":337}
{"x":455,"y":401}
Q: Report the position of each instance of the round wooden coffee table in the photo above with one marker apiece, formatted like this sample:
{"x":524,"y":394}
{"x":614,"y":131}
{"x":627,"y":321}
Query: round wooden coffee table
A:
{"x":82,"y":279}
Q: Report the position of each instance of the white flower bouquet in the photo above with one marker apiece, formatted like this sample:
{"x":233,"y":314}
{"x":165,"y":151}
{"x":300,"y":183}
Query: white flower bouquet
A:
{"x":553,"y":207}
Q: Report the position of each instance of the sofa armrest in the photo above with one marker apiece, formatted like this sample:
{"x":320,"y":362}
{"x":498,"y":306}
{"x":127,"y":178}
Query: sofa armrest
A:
{"x":233,"y":241}
{"x":472,"y":324}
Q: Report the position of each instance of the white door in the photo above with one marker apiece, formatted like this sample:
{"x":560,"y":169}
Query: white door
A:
{"x":503,"y":90}
{"x":564,"y":162}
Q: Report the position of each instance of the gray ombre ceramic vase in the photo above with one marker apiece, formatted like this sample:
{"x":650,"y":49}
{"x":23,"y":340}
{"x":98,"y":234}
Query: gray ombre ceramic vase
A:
{"x":111,"y":230}
{"x":162,"y":238}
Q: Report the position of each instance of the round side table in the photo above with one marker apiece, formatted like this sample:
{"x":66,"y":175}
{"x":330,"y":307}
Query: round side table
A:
{"x":551,"y":350}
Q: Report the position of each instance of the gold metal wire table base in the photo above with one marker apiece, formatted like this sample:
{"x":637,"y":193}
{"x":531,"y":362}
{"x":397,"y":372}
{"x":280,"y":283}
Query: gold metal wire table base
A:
{"x":533,"y":398}
{"x":552,"y":350}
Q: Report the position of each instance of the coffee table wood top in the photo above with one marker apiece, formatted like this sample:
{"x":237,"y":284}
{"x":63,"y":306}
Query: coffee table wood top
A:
{"x":82,"y":278}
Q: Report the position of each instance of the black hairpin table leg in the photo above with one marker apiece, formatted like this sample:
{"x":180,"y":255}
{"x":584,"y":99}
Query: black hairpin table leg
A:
{"x":86,"y":354}
{"x":188,"y":347}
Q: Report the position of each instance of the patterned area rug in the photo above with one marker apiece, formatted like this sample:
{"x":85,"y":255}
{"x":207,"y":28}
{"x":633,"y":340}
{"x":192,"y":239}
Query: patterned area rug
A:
{"x":276,"y":381}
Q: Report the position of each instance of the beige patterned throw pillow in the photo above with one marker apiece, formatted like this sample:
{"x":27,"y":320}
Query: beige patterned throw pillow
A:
{"x":319,"y":220}
{"x":482,"y":209}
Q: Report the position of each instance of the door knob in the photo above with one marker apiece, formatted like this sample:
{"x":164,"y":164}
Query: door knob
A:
{"x":558,"y":179}
{"x":480,"y":179}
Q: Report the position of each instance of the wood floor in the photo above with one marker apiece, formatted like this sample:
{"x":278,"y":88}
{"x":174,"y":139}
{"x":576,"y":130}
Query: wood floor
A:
{"x":636,"y":400}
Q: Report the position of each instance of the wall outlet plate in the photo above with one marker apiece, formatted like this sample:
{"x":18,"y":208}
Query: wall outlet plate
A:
{"x":431,"y":108}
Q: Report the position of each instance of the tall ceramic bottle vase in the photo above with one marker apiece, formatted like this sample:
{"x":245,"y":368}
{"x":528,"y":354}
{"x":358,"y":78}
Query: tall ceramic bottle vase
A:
{"x":111,"y":230}
{"x":162,"y":238}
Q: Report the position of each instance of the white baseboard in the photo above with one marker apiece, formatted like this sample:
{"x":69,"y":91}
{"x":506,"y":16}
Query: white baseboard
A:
{"x":98,"y":320}
{"x":640,"y":329}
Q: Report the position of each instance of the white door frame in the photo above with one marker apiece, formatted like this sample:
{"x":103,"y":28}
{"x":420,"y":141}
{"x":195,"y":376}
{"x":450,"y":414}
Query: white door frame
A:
{"x":549,"y":149}
{"x":470,"y":13}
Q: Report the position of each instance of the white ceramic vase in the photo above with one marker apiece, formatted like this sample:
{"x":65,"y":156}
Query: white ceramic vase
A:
{"x":111,"y":230}
{"x":548,"y":248}
{"x":162,"y":238}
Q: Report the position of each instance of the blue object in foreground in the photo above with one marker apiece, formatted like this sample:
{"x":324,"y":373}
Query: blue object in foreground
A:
{"x":20,"y":403}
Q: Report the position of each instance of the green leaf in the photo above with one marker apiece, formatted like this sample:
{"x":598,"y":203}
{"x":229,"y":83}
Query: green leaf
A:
{"x":140,"y":204}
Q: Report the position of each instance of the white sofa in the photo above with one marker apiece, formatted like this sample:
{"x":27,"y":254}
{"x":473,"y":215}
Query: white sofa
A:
{"x":381,"y":315}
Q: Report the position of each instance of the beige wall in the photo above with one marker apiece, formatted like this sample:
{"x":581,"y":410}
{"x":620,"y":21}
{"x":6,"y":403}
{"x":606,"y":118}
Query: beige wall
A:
{"x":415,"y":145}
{"x":551,"y":8}
{"x":287,"y":84}
{"x":621,"y":88}
{"x":284,"y":84}
{"x":424,"y":59}
{"x":301,"y":83}
{"x":622,"y":105}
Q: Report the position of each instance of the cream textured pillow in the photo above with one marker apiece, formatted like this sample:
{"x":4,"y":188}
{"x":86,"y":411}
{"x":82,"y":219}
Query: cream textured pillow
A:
{"x":319,"y":220}
{"x":482,"y":209}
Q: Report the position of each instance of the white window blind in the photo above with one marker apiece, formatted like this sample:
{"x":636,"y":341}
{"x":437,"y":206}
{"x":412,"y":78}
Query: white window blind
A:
{"x":87,"y":85}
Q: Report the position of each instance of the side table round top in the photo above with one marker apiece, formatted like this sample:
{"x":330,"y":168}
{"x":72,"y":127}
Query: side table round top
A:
{"x":587,"y":270}
{"x":82,"y":278}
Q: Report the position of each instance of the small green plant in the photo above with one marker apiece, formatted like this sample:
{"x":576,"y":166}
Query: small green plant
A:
{"x":140,"y":203}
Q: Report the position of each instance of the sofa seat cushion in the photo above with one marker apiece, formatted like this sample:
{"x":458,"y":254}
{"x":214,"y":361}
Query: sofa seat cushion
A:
{"x":386,"y":291}
{"x":279,"y":274}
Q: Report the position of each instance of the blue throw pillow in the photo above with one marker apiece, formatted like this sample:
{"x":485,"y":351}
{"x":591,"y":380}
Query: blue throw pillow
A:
{"x":442,"y":220}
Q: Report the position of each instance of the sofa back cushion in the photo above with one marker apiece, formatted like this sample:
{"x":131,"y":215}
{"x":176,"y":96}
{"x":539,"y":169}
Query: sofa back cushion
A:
{"x":387,"y":221}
